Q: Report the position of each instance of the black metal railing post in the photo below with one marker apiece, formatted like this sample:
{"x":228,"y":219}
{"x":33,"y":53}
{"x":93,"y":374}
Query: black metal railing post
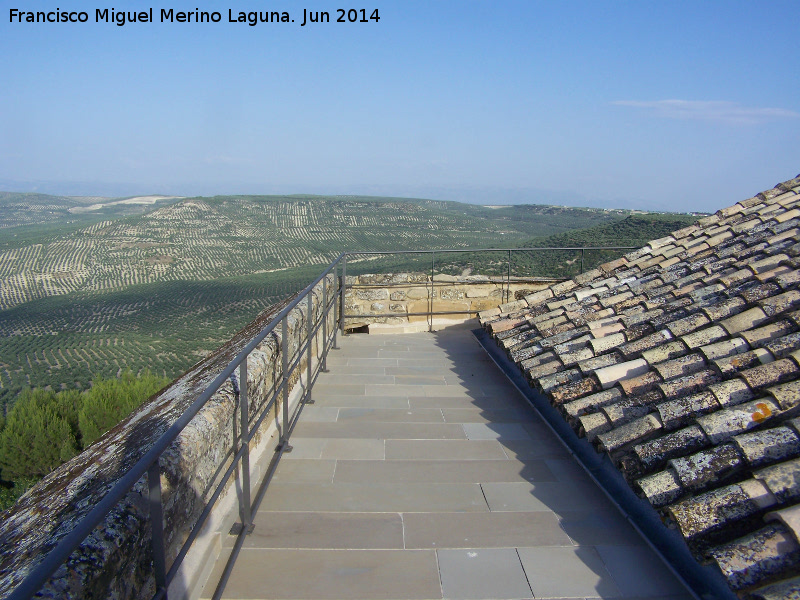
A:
{"x":283,"y":445}
{"x":508,"y":278}
{"x":310,"y":335}
{"x":244,"y":432}
{"x":336,"y":286}
{"x":433,"y":291}
{"x":344,"y":287}
{"x":324,"y":313}
{"x":157,"y":528}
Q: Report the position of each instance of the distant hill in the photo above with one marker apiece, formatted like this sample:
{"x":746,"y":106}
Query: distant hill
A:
{"x":161,"y":288}
{"x":74,"y":249}
{"x":21,"y":209}
{"x":634,"y":230}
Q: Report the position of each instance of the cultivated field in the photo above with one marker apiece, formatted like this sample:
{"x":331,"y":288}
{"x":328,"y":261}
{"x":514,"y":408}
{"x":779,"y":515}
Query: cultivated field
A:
{"x":160,"y":289}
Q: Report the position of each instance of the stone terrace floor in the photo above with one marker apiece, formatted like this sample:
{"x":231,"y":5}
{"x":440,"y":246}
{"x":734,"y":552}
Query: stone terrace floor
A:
{"x":421,"y":472}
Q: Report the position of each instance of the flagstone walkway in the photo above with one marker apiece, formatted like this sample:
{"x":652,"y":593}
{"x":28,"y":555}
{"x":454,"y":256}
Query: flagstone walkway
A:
{"x":421,"y":472}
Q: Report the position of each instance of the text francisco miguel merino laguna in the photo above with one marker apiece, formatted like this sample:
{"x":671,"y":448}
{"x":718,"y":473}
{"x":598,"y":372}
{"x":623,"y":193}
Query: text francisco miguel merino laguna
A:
{"x":169,"y":15}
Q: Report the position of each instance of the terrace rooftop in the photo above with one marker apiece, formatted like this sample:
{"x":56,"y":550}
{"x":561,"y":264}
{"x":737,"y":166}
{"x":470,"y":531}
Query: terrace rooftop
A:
{"x":421,"y":472}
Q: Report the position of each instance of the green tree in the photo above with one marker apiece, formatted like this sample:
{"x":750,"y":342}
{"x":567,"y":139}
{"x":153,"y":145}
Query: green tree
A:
{"x":111,"y":400}
{"x":38,"y":436}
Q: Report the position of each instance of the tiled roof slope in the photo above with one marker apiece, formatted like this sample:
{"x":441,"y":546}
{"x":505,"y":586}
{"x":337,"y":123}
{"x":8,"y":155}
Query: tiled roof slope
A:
{"x":681,"y":361}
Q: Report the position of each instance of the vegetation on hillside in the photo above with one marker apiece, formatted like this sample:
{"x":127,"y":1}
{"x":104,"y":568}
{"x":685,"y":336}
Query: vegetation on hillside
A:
{"x":633,"y":231}
{"x":162,"y":289}
{"x":45,"y":428}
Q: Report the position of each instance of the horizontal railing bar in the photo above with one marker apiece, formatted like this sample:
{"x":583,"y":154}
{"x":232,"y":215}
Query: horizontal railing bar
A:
{"x":536,"y":249}
{"x":427,"y":283}
{"x":416,"y":314}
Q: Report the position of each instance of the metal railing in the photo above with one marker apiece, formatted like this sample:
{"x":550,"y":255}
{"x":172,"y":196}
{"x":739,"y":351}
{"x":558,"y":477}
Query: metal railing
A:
{"x":430,"y":313}
{"x":149,"y":463}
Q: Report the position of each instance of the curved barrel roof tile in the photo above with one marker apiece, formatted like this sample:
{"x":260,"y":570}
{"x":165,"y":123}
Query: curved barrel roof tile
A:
{"x":681,"y":361}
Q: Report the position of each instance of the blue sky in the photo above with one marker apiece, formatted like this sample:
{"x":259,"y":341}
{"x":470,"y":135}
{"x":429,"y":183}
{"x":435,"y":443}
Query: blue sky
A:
{"x":656,"y":105}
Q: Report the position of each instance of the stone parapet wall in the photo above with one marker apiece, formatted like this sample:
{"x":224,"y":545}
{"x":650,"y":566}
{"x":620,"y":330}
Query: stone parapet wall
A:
{"x":405,"y":300}
{"x":115,"y":561}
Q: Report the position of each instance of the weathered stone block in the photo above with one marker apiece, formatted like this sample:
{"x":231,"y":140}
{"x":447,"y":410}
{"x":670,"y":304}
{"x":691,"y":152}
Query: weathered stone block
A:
{"x":451,"y":293}
{"x":479,"y":291}
{"x":372,"y":294}
{"x":420,"y":292}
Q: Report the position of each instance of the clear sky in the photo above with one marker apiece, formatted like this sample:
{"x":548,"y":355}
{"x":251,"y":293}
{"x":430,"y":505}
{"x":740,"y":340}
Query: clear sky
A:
{"x":673,"y":105}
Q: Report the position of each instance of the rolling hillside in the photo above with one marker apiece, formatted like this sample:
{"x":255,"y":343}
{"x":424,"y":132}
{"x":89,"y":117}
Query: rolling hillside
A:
{"x":160,"y":289}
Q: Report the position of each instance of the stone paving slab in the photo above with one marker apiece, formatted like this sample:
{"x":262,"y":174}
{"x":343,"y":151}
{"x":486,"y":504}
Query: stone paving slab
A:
{"x":454,"y":400}
{"x":477,"y":415}
{"x":360,"y":401}
{"x":555,"y":496}
{"x":491,"y":573}
{"x":322,"y":448}
{"x":335,"y":575}
{"x":567,"y":572}
{"x":390,"y":415}
{"x":305,"y":469}
{"x":374,"y":497}
{"x":484,"y":530}
{"x":326,"y":530}
{"x":495,"y":431}
{"x":382,"y":431}
{"x":591,"y":528}
{"x":444,"y":450}
{"x":441,"y":471}
{"x":373,"y":502}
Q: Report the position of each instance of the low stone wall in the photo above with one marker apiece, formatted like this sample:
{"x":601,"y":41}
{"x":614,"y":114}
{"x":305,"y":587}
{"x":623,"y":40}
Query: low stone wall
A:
{"x":115,"y":561}
{"x":395,"y":300}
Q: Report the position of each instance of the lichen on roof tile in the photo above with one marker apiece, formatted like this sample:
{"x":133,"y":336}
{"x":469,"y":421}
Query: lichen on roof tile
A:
{"x":722,"y":425}
{"x":661,"y":488}
{"x":782,"y":479}
{"x":713,"y":510}
{"x":593,"y":424}
{"x":766,"y":553}
{"x":636,"y":347}
{"x":571,"y":390}
{"x":657,"y":452}
{"x":787,"y":395}
{"x":682,"y":411}
{"x":629,"y":433}
{"x":725,"y":348}
{"x":768,"y":445}
{"x":762,"y":335}
{"x":688,"y":384}
{"x":790,"y":517}
{"x":731,"y":392}
{"x":780,"y":303}
{"x":548,"y":382}
{"x":771,"y":374}
{"x":683,"y":365}
{"x":680,"y":324}
{"x":736,"y":363}
{"x":708,"y":465}
{"x":608,"y":376}
{"x":784,"y":346}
